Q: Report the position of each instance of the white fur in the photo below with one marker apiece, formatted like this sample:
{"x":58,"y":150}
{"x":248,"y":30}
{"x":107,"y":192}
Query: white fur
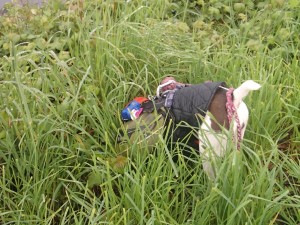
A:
{"x":213,"y":144}
{"x":242,"y":91}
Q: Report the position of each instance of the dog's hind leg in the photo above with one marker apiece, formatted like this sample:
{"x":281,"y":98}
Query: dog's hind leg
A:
{"x":212,"y":145}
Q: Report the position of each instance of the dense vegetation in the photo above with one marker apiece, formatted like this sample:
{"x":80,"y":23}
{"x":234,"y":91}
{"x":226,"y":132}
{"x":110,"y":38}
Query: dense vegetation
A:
{"x":66,"y":71}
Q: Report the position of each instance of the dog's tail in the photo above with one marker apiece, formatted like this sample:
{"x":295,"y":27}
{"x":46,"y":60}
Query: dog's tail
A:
{"x":242,"y":91}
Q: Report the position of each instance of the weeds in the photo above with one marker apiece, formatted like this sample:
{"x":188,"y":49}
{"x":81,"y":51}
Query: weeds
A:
{"x":66,"y":71}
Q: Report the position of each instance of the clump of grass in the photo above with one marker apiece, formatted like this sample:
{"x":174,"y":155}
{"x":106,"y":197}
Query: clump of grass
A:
{"x":64,"y":83}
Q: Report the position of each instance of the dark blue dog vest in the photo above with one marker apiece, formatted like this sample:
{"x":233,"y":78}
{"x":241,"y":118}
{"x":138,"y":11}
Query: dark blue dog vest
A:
{"x":193,"y":100}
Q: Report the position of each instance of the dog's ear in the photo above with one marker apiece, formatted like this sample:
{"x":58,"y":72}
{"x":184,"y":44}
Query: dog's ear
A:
{"x":242,"y":91}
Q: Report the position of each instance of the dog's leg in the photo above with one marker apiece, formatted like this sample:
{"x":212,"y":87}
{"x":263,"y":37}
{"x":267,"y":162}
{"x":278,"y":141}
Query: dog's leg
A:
{"x":212,"y":145}
{"x":243,"y":114}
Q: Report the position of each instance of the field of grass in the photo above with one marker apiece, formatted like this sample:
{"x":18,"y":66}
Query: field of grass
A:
{"x":66,"y":71}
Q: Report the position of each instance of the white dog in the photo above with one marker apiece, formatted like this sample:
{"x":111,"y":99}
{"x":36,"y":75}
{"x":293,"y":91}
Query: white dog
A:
{"x":212,"y":139}
{"x":216,"y":108}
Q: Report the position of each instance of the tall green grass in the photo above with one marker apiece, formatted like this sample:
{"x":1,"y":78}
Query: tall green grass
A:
{"x":63,"y":86}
